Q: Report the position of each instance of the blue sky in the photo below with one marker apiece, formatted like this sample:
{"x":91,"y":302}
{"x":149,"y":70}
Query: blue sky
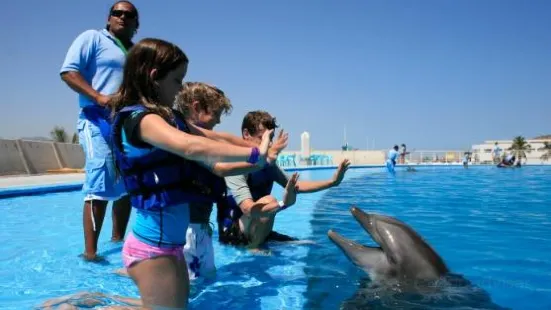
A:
{"x":431,"y":74}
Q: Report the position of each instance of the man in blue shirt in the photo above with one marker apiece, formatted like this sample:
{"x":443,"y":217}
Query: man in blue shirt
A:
{"x":391,"y":160}
{"x":93,"y":67}
{"x":496,"y":153}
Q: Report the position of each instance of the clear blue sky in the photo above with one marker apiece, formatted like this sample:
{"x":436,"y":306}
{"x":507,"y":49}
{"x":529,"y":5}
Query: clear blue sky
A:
{"x":432,"y":74}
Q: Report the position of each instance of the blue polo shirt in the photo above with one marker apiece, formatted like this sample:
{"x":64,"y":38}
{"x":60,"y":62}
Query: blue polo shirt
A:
{"x":393,"y":154}
{"x":97,"y":57}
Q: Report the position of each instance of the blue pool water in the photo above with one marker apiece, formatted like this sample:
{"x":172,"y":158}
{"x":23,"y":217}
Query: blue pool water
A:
{"x":493,"y":226}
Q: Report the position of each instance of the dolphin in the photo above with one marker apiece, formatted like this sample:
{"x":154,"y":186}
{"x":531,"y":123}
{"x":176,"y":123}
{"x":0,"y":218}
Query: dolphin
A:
{"x":402,"y":253}
{"x":405,"y":271}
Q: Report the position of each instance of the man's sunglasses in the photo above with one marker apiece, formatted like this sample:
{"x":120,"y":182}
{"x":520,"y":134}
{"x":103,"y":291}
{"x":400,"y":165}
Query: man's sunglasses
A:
{"x":120,"y":13}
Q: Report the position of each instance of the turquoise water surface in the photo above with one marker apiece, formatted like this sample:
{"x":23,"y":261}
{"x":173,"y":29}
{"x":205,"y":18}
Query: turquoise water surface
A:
{"x":491,"y":226}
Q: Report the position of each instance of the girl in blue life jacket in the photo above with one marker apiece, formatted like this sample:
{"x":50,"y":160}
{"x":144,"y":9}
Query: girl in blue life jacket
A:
{"x":157,"y":155}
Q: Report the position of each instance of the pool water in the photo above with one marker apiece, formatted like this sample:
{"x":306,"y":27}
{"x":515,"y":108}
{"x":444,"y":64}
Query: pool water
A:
{"x":490,"y":225}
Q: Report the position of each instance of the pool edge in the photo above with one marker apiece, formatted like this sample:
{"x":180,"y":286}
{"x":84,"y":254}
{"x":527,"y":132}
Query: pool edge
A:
{"x":17,"y":191}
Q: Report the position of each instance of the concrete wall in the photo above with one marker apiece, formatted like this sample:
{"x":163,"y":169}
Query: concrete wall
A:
{"x":70,"y":155}
{"x":37,"y":157}
{"x":11,"y":158}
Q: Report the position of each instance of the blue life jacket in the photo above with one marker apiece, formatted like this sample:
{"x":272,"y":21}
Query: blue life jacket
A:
{"x":260,"y":183}
{"x":100,"y":117}
{"x":228,"y":216}
{"x":160,"y":178}
{"x":228,"y":213}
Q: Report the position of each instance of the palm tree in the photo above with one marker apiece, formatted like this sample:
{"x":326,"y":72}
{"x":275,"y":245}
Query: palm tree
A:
{"x":520,"y":147}
{"x":59,"y":134}
{"x":75,"y":138}
{"x":547,"y":149}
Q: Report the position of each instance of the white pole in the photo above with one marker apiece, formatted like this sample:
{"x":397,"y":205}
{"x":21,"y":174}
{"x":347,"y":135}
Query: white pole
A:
{"x":344,"y":134}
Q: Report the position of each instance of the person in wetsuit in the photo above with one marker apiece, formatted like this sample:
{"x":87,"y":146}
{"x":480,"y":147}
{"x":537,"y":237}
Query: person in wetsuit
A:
{"x":249,"y":216}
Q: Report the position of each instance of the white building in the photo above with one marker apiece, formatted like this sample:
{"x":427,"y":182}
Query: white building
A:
{"x":305,"y":144}
{"x":482,"y":153}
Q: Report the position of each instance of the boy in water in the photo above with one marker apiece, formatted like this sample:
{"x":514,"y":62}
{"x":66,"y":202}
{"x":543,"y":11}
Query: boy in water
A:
{"x":249,"y":216}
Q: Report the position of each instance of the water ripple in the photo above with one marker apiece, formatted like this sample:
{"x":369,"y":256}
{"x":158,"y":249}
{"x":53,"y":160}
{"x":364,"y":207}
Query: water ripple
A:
{"x":492,"y":226}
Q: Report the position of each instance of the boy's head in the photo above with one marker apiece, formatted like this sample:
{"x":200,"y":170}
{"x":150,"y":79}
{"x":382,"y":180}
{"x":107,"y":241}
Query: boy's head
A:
{"x":203,"y":104}
{"x":255,"y":123}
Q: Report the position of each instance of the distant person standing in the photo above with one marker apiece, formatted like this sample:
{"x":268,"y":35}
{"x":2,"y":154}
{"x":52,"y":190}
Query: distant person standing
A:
{"x":391,"y":159}
{"x":403,"y":153}
{"x":466,"y":159}
{"x":93,"y":67}
{"x":496,"y":153}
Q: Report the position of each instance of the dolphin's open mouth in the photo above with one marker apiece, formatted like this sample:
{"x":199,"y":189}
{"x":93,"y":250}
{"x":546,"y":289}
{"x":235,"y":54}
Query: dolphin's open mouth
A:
{"x":361,"y":255}
{"x":341,"y":241}
{"x":365,"y":220}
{"x":400,"y":249}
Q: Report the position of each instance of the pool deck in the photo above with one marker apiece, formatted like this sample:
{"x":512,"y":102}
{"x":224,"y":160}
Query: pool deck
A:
{"x":20,"y":185}
{"x":18,"y":181}
{"x":39,"y":180}
{"x":14,"y":186}
{"x":26,"y":181}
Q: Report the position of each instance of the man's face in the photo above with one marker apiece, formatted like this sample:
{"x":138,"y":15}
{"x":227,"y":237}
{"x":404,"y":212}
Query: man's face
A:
{"x":257,"y":137}
{"x":123,"y":19}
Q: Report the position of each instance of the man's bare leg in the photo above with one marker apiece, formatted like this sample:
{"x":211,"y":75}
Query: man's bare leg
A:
{"x":92,"y":220}
{"x":121,"y":215}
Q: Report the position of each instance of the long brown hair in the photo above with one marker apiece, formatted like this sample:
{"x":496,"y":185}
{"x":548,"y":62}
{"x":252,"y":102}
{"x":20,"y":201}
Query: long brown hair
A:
{"x":137,"y":86}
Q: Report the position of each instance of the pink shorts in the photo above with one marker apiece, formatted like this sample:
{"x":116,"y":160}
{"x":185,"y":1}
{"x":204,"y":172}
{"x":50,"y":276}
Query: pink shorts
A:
{"x":135,"y":251}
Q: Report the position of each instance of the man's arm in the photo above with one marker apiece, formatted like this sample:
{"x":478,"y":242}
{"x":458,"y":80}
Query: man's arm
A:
{"x":314,"y":186}
{"x":77,"y":83}
{"x":243,"y":198}
{"x":78,"y":57}
{"x":303,"y":186}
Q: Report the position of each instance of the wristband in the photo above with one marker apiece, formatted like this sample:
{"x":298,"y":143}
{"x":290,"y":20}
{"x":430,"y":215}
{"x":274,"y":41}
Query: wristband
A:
{"x":282,"y":206}
{"x":255,"y":154}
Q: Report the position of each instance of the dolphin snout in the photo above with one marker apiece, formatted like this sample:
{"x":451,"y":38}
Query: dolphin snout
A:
{"x":334,"y":236}
{"x":365,"y":219}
